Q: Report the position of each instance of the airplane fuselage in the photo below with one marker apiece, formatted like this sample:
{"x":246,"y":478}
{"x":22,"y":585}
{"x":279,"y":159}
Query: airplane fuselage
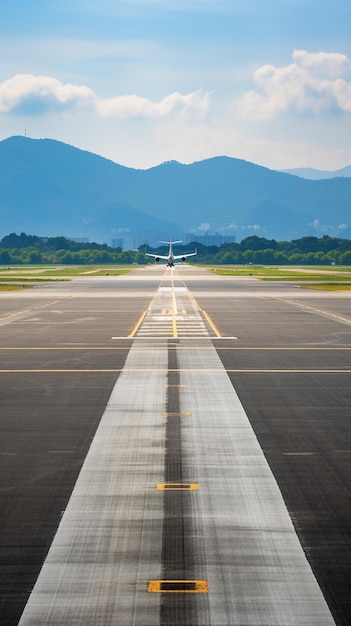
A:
{"x":171,"y":258}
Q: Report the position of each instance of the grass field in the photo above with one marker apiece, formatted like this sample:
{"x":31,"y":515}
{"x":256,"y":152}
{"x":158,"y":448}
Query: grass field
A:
{"x":324,"y":278}
{"x":26,"y":276}
{"x":329,"y":278}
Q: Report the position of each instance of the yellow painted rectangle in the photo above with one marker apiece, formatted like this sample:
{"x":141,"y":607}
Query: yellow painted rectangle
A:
{"x":178,"y":586}
{"x":177,"y":486}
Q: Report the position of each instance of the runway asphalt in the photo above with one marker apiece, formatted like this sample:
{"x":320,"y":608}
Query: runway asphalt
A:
{"x":175,"y":449}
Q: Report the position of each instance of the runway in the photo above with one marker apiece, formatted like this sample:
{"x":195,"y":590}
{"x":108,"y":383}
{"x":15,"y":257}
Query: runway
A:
{"x":201,"y":456}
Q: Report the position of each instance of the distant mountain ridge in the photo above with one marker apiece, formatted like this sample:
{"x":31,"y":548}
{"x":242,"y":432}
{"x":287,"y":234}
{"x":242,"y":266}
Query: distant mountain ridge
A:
{"x":49,"y":188}
{"x":312,"y":174}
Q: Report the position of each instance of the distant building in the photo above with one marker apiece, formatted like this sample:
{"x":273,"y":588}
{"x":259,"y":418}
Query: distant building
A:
{"x":117,"y":243}
{"x":133,"y":240}
{"x":209,"y":239}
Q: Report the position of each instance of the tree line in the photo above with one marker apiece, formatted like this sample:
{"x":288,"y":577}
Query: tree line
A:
{"x":31,"y":249}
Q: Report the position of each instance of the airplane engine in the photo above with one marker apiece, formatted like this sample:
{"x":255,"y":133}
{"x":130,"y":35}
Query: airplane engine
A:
{"x":157,"y":258}
{"x":183,"y":258}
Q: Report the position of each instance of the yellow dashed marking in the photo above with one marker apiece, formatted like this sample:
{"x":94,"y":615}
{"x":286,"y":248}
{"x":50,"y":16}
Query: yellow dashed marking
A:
{"x":177,"y":486}
{"x":178,"y":586}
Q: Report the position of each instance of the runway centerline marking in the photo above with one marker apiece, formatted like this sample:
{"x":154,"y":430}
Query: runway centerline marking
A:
{"x":178,"y":586}
{"x":177,"y":486}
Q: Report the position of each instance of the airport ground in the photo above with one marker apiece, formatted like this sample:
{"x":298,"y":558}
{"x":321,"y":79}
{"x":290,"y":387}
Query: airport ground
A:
{"x":286,"y":353}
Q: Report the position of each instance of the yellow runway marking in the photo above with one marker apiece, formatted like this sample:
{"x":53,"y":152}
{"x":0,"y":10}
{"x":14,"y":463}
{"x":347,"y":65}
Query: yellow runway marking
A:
{"x":137,"y":325}
{"x":206,"y":316}
{"x":211,"y":323}
{"x":178,"y":586}
{"x":177,"y":486}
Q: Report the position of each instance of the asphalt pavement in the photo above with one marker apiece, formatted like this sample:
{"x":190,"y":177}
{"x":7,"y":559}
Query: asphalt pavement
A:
{"x":175,"y":449}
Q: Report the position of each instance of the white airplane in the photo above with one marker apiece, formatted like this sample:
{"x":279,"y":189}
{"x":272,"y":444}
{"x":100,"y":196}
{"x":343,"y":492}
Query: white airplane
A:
{"x":170,"y":258}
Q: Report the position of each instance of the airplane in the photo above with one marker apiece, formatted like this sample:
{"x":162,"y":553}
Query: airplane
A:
{"x":170,"y":258}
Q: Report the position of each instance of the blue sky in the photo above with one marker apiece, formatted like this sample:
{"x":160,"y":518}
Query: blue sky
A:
{"x":145,"y":81}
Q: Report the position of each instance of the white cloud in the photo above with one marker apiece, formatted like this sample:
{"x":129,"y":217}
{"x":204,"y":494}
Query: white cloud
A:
{"x":135,"y":106}
{"x":325,"y":64}
{"x":313,"y":83}
{"x":26,"y":94}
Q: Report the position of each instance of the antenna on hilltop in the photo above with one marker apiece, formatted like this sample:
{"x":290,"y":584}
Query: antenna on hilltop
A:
{"x":25,"y":132}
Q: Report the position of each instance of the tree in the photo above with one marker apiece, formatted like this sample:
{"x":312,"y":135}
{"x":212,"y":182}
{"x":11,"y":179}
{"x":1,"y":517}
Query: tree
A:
{"x":227,"y":258}
{"x":5,"y":257}
{"x":35,"y":257}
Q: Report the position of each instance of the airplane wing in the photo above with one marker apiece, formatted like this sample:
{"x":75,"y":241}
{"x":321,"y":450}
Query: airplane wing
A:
{"x":183,"y":256}
{"x":157,"y":256}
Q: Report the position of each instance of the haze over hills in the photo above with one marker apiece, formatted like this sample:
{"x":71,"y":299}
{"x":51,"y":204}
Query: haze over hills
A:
{"x":49,"y":188}
{"x":312,"y":174}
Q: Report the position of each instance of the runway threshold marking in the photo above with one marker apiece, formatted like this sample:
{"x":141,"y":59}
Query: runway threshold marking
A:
{"x":135,"y":329}
{"x":167,"y":316}
{"x":205,"y":314}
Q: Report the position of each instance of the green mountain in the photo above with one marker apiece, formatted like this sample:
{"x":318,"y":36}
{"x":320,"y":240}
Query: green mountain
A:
{"x":49,"y":188}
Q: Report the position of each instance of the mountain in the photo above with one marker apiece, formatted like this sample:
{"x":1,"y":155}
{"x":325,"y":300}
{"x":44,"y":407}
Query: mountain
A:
{"x":312,"y":174}
{"x":49,"y":188}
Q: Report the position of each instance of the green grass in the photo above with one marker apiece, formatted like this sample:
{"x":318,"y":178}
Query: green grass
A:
{"x":328,"y":287}
{"x":40,"y":273}
{"x":308,"y":278}
{"x":300,"y":274}
{"x":14,"y":287}
{"x":24,"y":279}
{"x":26,"y":276}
